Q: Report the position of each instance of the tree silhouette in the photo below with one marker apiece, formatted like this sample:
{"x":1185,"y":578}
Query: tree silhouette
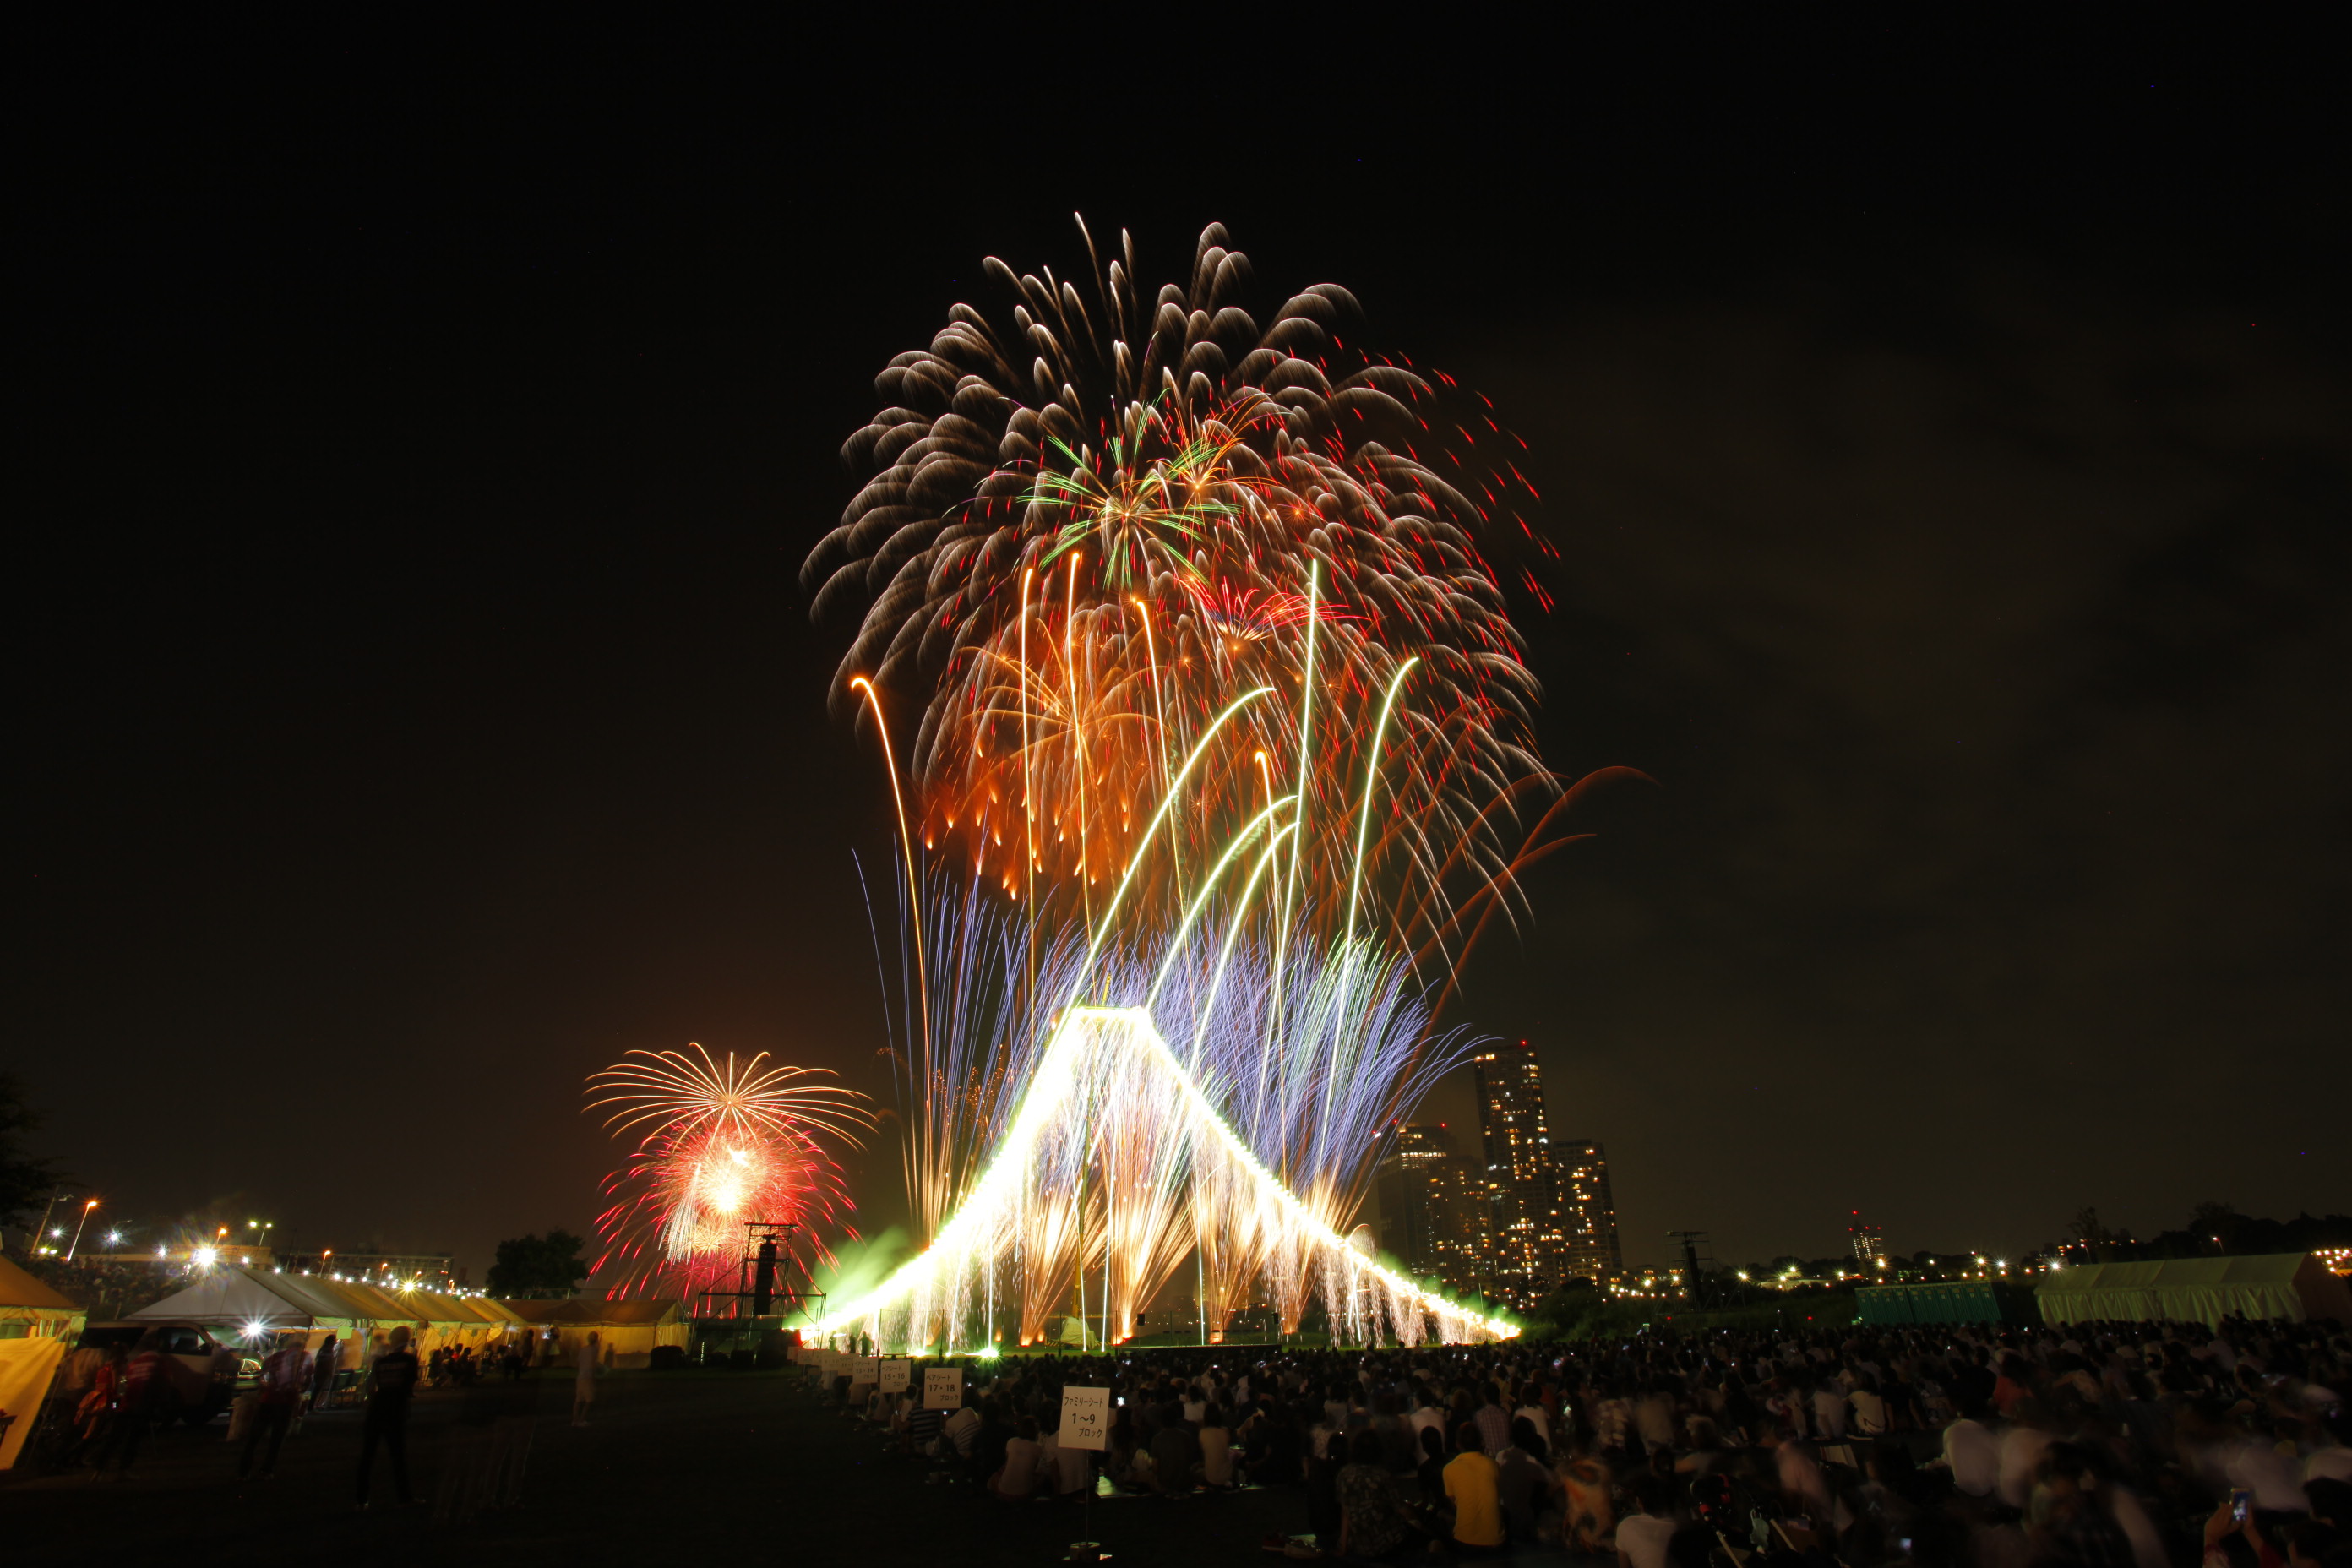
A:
{"x":26,"y":1183}
{"x":546,"y":1265}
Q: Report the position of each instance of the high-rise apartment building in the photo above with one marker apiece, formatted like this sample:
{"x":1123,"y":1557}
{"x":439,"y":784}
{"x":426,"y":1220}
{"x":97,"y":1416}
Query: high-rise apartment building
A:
{"x":1531,"y":1248}
{"x":1468,"y":1258}
{"x":1516,"y":1217}
{"x":1436,"y":1215}
{"x":1589,"y":1211}
{"x":1415,"y":1188}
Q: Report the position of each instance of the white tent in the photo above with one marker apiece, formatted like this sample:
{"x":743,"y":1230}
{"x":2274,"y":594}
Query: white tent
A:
{"x":2291,"y":1285}
{"x":254,"y":1301}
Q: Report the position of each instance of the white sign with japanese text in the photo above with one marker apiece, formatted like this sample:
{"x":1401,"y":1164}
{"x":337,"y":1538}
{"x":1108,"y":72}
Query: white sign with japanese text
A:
{"x":1085,"y":1418}
{"x":897,"y":1372}
{"x":942,"y":1387}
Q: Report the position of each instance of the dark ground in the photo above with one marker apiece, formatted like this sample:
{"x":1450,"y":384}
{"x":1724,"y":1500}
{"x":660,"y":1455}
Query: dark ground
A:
{"x":702,"y":1465}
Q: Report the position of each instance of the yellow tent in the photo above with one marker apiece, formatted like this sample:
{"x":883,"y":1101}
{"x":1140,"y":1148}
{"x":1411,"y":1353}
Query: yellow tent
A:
{"x":30,"y":1309}
{"x":630,"y":1330}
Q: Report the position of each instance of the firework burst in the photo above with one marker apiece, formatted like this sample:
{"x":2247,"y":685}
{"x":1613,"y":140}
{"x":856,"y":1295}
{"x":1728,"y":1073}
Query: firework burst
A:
{"x":1085,"y":532}
{"x":720,"y":1144}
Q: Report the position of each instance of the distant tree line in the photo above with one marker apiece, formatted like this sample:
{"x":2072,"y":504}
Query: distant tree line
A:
{"x":2215,"y":1229}
{"x":26,"y":1183}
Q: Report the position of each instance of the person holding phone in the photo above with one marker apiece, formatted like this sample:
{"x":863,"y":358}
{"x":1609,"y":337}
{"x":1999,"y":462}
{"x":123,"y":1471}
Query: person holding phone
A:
{"x":2235,"y":1517}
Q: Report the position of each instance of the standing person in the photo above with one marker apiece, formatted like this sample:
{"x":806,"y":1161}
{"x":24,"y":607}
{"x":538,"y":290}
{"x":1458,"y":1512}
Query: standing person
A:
{"x":284,"y":1378}
{"x":583,"y":1389}
{"x":323,"y":1374}
{"x":391,"y":1380}
{"x":517,"y":1410}
{"x":101,"y":1407}
{"x":145,"y":1378}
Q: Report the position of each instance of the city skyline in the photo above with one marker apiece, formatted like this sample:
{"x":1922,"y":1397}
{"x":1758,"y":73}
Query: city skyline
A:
{"x":1523,"y":1217}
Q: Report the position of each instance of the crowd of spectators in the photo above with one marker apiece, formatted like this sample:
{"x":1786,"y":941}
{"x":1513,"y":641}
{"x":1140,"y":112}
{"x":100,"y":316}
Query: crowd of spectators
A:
{"x":2097,"y":1446}
{"x":109,"y":1290}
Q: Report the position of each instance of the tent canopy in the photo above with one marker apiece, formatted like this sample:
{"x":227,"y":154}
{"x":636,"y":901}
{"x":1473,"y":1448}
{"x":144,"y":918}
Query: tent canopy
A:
{"x":30,"y":1309}
{"x":28,"y":1296}
{"x":246,"y":1298}
{"x":629,"y":1331}
{"x":578,"y":1311}
{"x":2291,"y":1285}
{"x":226,"y":1296}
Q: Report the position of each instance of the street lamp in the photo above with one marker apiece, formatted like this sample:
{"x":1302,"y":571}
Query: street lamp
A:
{"x":85,"y":1220}
{"x":46,"y":1211}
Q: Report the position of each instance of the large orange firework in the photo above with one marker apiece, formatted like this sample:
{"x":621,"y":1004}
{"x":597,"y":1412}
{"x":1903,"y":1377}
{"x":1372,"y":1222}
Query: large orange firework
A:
{"x":722,"y":1146}
{"x":1085,"y":536}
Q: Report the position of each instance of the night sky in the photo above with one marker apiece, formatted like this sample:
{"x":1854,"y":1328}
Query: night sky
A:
{"x":414,"y":705}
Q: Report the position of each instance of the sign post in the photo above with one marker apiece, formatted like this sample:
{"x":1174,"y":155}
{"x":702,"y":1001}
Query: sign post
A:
{"x":943,"y":1388}
{"x":1086,"y":1424}
{"x":897,"y":1373}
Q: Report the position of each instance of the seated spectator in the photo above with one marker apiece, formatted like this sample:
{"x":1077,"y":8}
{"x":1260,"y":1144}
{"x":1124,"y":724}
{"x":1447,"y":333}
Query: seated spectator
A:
{"x":1175,"y":1452}
{"x":1493,"y":1421}
{"x":923,"y":1431}
{"x":1706,"y":1449}
{"x":1524,"y":1482}
{"x":1470,"y":1487}
{"x":1373,"y":1522}
{"x":989,"y":1440}
{"x":1216,"y":1448}
{"x":1642,"y":1538}
{"x":1829,"y":1413}
{"x":1589,"y":1523}
{"x":1869,"y":1408}
{"x":1972,"y":1453}
{"x":959,"y":1431}
{"x":1432,"y":1473}
{"x":1070,"y":1471}
{"x":1277,"y":1458}
{"x":1125,"y":1461}
{"x":1015,"y":1480}
{"x":1323,"y":1490}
